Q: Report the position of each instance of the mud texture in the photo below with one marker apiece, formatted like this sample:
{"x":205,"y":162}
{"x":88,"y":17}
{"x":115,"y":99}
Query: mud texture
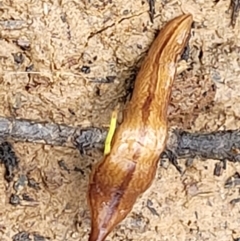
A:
{"x":71,"y":62}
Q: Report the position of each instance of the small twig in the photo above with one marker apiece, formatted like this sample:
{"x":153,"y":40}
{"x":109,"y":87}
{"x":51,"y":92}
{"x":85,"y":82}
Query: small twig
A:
{"x":218,"y":145}
{"x":52,"y":73}
{"x":151,"y":9}
{"x":49,"y":133}
{"x":234,"y":7}
{"x":13,"y":24}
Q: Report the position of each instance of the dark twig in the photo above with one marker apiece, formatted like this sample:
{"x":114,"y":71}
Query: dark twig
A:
{"x":151,"y":9}
{"x":233,"y":181}
{"x":50,"y":133}
{"x":9,"y":159}
{"x":218,"y":145}
{"x":234,"y":7}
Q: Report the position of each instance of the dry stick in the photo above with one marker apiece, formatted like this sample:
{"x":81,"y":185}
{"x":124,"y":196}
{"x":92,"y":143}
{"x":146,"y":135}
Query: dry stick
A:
{"x":46,"y":133}
{"x":218,"y":145}
{"x":50,"y":133}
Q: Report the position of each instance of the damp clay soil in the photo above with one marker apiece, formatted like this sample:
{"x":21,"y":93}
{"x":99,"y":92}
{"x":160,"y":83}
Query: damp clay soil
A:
{"x":71,"y":62}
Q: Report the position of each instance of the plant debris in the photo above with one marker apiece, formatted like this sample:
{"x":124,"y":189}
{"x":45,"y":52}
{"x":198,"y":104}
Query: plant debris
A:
{"x":25,"y":236}
{"x":14,"y":199}
{"x":218,"y":145}
{"x":151,"y":208}
{"x":234,"y":7}
{"x":233,"y":181}
{"x":9,"y":159}
{"x":22,"y":236}
{"x":151,"y":9}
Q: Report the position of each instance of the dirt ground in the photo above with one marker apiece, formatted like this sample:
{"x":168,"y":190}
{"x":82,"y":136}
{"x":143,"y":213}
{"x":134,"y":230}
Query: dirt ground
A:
{"x":81,"y":57}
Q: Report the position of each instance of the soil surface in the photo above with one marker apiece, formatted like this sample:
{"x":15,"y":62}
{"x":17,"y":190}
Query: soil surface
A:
{"x":72,"y":62}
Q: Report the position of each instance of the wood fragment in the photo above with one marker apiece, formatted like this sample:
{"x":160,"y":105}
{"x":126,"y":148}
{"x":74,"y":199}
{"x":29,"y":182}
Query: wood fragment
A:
{"x":234,"y":7}
{"x":48,"y":133}
{"x":151,"y":9}
{"x":217,"y":145}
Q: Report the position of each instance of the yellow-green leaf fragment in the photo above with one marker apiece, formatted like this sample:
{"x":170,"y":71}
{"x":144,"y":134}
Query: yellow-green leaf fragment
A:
{"x":112,"y":128}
